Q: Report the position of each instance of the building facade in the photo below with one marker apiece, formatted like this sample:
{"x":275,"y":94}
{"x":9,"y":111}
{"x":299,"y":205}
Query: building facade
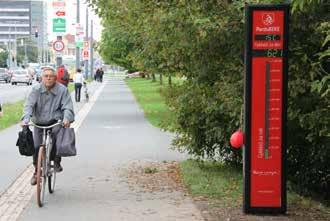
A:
{"x":39,"y":26}
{"x":21,"y":20}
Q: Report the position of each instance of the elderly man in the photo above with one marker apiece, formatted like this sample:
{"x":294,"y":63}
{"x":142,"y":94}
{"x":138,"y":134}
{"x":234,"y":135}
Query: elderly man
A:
{"x":47,"y":103}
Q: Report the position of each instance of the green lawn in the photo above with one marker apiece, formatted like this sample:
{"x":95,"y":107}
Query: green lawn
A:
{"x":220,"y":184}
{"x":213,"y":180}
{"x":148,"y":95}
{"x":12,"y":114}
{"x":71,"y":87}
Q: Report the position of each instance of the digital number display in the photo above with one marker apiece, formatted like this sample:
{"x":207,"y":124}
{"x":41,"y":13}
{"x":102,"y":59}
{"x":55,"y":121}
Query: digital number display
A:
{"x":267,"y":37}
{"x":269,"y":53}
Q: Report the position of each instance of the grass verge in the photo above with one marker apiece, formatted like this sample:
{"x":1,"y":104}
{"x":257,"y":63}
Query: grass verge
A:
{"x":148,"y":95}
{"x":71,"y":87}
{"x":12,"y":114}
{"x":221,"y":187}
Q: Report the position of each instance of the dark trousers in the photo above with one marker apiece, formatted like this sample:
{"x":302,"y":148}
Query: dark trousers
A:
{"x":77,"y":88}
{"x":37,"y":137}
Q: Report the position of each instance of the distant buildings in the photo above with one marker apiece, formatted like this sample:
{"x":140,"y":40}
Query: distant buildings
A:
{"x":24,"y":19}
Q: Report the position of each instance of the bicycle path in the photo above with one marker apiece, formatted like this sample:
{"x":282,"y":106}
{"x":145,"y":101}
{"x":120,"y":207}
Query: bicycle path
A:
{"x":10,"y":159}
{"x":114,"y":134}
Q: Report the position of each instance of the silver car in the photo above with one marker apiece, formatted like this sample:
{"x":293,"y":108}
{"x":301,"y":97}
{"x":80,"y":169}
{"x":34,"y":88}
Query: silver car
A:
{"x":4,"y":75}
{"x":21,"y":76}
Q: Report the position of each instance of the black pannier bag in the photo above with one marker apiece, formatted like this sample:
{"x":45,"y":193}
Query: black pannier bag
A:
{"x":25,"y":142}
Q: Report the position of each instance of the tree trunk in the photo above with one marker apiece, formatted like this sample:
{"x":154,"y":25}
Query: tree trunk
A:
{"x":170,"y":80}
{"x":161,"y":79}
{"x":153,"y":77}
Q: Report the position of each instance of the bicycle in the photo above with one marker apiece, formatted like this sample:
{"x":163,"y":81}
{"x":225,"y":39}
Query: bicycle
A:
{"x":45,"y":166}
{"x":86,"y":92}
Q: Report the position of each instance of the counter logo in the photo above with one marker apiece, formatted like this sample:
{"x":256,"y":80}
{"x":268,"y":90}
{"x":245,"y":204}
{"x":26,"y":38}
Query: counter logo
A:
{"x":268,"y":19}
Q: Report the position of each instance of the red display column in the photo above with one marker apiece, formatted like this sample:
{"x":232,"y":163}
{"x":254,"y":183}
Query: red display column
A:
{"x":265,"y":108}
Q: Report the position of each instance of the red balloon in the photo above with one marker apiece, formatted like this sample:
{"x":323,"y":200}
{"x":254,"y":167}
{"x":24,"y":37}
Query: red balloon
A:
{"x":236,"y":139}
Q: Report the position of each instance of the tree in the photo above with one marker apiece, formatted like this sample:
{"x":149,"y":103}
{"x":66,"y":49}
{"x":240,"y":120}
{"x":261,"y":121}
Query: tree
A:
{"x":3,"y":57}
{"x":204,"y":41}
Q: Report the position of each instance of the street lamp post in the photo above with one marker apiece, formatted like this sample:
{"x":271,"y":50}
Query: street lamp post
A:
{"x":77,"y":48}
{"x":86,"y":40}
{"x":92,"y":50}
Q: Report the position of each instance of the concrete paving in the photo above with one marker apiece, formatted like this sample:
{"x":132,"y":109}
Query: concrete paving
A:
{"x":114,"y":133}
{"x":10,"y":159}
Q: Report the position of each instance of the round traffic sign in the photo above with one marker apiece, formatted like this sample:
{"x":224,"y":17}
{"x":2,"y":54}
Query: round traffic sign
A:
{"x":58,"y":45}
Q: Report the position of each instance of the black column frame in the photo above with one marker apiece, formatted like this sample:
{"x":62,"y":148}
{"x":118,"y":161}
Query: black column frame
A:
{"x":247,"y":109}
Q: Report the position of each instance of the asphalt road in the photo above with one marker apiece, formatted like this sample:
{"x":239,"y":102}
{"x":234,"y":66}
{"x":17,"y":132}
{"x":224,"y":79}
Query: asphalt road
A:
{"x":11,"y":161}
{"x":113,"y":134}
{"x":12,"y":93}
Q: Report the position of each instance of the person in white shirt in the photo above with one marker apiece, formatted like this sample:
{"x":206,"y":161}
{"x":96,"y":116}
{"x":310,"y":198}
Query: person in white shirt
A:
{"x":78,"y":80}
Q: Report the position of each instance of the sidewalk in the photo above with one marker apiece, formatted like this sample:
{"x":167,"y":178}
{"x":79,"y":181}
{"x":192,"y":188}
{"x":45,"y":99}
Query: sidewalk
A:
{"x":94,"y":186}
{"x":9,"y":155}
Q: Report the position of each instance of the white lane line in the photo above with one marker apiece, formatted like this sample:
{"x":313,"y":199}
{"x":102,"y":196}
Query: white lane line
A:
{"x":16,"y":198}
{"x":87,"y":107}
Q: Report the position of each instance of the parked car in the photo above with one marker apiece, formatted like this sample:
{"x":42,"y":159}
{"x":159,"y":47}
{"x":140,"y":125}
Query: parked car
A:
{"x":36,"y":70}
{"x":21,"y":76}
{"x":4,"y":75}
{"x":134,"y":75}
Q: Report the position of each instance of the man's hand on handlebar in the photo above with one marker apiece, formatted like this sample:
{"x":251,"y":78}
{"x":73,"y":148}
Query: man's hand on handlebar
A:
{"x":66,"y":123}
{"x":24,"y":123}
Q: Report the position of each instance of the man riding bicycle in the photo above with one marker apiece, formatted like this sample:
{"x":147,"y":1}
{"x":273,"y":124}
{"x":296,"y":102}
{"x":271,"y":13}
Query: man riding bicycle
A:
{"x":47,"y":103}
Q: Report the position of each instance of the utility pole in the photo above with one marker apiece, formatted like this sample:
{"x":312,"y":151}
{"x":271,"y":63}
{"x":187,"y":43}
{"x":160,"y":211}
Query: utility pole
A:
{"x":42,"y":43}
{"x":77,"y":48}
{"x":59,"y":60}
{"x":25,"y":55}
{"x":9,"y":50}
{"x":91,"y":50}
{"x":86,"y":40}
{"x":23,"y":43}
{"x":15,"y":46}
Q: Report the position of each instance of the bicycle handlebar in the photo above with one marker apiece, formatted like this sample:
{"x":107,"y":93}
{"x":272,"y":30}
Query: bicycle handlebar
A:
{"x":45,"y":127}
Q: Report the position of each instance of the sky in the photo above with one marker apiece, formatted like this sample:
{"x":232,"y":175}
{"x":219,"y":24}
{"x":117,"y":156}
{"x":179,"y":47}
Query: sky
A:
{"x":70,"y":17}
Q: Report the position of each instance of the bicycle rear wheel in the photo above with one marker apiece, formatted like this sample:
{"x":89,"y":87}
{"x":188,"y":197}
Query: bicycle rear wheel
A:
{"x":41,"y":176}
{"x":51,"y":178}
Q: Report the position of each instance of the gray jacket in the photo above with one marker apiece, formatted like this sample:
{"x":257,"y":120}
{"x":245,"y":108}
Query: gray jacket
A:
{"x":43,"y":107}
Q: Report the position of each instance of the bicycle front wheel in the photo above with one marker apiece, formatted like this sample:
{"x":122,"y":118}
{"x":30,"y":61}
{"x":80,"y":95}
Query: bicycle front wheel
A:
{"x":41,"y":176}
{"x":51,"y":178}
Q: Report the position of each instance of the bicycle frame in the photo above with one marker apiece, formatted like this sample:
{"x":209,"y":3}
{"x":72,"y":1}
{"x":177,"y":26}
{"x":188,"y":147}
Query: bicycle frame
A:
{"x":44,"y":171}
{"x":46,"y":138}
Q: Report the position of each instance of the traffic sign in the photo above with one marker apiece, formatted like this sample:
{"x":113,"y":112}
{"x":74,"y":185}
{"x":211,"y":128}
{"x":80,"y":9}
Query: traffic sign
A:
{"x":58,"y":54}
{"x":59,"y":25}
{"x":58,"y":4}
{"x":60,"y":13}
{"x":79,"y":44}
{"x":86,"y":44}
{"x":79,"y":30}
{"x":85,"y":54}
{"x":58,"y":45}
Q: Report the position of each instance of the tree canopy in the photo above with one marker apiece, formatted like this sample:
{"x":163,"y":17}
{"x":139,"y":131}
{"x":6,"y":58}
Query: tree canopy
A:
{"x":204,"y":41}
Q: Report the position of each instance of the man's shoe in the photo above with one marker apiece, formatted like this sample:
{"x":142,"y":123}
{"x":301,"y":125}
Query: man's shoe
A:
{"x":57,"y":167}
{"x":33,"y":180}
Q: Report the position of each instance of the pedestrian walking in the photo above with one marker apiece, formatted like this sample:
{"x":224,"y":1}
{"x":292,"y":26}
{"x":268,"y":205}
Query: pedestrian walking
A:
{"x":47,"y":103}
{"x":101,"y":74}
{"x":78,"y":80}
{"x":63,"y":75}
{"x":97,"y":75}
